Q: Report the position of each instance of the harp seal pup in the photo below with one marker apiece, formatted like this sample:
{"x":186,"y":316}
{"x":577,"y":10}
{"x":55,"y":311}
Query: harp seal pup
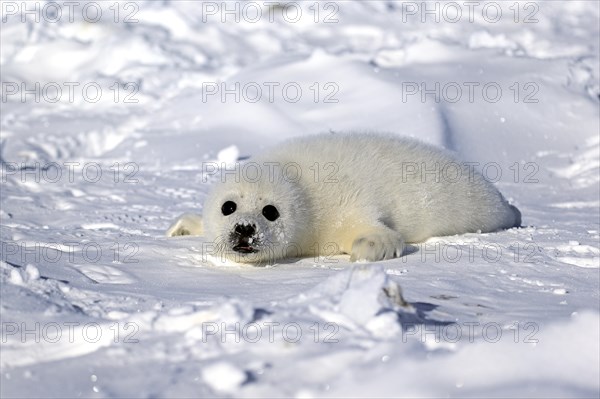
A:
{"x":361,"y":194}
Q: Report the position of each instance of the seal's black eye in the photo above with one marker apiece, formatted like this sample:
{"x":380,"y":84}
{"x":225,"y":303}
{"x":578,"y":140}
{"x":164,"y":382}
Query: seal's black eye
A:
{"x":228,"y":208}
{"x":270,"y":213}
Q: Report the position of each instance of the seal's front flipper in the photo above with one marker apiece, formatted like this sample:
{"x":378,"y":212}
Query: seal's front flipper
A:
{"x":187,"y":224}
{"x":379,"y":244}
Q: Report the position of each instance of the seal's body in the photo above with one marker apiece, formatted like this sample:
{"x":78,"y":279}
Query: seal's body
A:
{"x":361,"y":194}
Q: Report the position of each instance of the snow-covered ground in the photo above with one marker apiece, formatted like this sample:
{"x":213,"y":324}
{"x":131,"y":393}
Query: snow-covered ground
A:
{"x":109,"y":111}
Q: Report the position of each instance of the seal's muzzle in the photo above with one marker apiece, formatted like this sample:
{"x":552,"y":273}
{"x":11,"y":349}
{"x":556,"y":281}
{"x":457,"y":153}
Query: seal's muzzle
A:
{"x":243,"y":236}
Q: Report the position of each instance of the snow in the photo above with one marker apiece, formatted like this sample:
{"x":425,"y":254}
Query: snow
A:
{"x":223,"y":377}
{"x":110,"y":142}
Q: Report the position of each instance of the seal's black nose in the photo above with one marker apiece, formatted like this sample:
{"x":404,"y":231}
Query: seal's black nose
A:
{"x":245,"y":230}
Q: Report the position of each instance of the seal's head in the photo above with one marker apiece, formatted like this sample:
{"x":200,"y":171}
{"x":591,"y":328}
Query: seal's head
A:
{"x":258,"y":219}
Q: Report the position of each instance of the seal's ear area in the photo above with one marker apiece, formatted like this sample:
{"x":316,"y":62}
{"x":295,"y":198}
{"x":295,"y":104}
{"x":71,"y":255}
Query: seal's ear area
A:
{"x":187,"y":224}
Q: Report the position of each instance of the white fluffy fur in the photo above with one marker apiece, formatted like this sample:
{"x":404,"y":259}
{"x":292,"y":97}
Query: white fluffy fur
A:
{"x":371,"y":195}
